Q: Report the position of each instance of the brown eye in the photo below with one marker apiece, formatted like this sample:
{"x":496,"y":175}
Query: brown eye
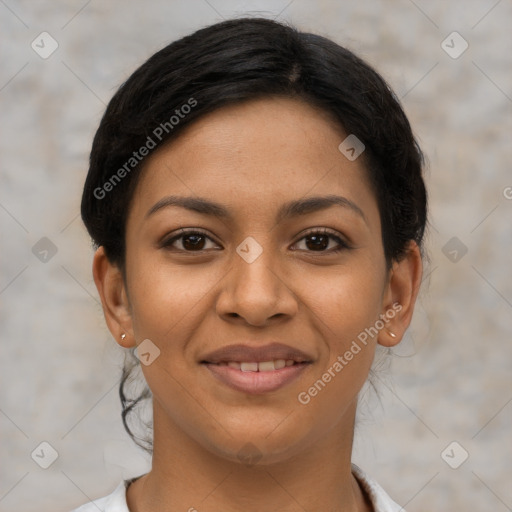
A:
{"x":190,"y":241}
{"x":318,"y":241}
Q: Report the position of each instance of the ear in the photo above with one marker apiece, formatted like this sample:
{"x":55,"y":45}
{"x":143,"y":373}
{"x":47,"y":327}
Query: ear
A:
{"x":114,"y":299}
{"x":400,"y":295}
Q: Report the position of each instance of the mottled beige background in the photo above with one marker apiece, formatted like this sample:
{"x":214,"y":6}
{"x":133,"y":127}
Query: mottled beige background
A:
{"x":451,"y":378}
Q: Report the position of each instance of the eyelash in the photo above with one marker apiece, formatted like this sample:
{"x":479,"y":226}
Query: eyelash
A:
{"x":342,"y":245}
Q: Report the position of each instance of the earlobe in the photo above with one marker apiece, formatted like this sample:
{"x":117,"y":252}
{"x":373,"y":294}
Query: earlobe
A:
{"x":114,"y":300}
{"x":400,"y":297}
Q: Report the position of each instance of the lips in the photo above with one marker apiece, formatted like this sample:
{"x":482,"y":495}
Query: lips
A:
{"x":256,"y":370}
{"x":250,"y":354}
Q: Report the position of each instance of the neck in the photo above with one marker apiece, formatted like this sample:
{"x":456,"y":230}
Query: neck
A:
{"x":187,"y":476}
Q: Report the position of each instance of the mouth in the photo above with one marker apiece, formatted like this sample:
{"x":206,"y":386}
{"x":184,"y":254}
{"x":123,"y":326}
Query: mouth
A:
{"x":255,"y":366}
{"x":256,"y":370}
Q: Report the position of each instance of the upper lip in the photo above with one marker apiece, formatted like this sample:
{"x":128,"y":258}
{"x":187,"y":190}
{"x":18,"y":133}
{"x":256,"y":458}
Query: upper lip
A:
{"x":247,"y":353}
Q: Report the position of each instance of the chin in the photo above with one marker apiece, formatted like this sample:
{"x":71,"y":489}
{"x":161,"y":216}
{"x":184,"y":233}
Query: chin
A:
{"x":253,"y":446}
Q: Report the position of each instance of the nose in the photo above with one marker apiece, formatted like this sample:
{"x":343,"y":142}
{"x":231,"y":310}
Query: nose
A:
{"x":257,"y":292}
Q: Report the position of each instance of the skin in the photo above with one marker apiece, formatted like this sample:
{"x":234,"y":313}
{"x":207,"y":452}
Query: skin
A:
{"x":252,"y":158}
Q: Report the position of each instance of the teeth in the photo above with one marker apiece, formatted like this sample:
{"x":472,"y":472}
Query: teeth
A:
{"x":280,"y":363}
{"x":263,"y":366}
{"x":249,"y":367}
{"x":266,"y":366}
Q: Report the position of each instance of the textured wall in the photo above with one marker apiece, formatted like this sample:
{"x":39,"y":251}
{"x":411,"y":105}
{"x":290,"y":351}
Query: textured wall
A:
{"x":450,"y":379}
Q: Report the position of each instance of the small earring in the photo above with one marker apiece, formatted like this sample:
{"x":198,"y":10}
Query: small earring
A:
{"x":123,"y":336}
{"x":392,"y":334}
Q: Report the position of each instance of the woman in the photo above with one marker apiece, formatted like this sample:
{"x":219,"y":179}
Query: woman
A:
{"x":255,"y":195}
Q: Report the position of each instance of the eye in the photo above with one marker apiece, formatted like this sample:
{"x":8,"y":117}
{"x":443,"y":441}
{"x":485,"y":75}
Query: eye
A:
{"x":194,"y":240}
{"x":318,"y":240}
{"x":191,"y":240}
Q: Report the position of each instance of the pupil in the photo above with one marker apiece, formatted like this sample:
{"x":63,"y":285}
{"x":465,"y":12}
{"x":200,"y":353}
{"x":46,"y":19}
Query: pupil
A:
{"x":316,"y":240}
{"x":193,"y":245}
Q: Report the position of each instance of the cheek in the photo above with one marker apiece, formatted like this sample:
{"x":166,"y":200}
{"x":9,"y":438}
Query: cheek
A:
{"x":166,"y":298}
{"x":345,"y":306}
{"x":169,"y":303}
{"x":346,"y":300}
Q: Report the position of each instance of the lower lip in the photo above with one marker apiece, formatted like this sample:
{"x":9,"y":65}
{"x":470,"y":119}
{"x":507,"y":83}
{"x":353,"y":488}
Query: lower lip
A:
{"x":256,"y":383}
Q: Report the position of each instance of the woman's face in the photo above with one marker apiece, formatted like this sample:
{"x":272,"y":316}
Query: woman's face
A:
{"x":260,"y":272}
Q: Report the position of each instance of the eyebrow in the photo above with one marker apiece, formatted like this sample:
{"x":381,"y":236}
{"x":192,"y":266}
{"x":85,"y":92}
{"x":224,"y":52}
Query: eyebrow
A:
{"x":291,"y":209}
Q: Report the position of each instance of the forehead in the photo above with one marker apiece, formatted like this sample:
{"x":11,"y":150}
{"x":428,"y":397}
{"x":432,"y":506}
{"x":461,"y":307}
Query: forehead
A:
{"x":254,"y":156}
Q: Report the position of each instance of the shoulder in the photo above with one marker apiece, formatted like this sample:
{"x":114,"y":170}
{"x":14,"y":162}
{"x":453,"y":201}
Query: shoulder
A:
{"x":114,"y":502}
{"x":379,"y":498}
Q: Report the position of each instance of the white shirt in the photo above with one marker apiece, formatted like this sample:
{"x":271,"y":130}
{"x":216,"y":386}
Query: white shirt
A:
{"x":116,"y":502}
